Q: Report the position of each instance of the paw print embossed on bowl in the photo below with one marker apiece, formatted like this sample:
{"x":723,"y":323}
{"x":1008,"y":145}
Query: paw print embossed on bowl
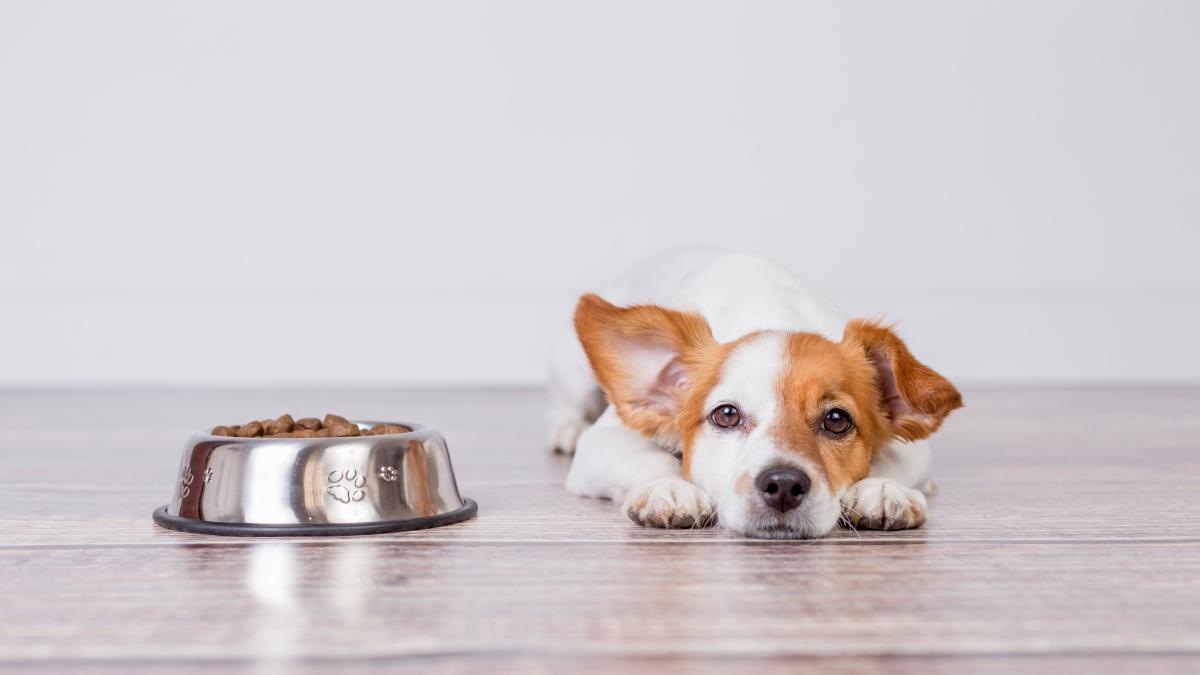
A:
{"x":185,"y":483}
{"x":316,"y":486}
{"x":347,"y":486}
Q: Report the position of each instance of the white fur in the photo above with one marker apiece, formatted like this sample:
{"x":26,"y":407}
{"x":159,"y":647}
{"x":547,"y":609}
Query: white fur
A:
{"x":611,"y":459}
{"x":737,"y":294}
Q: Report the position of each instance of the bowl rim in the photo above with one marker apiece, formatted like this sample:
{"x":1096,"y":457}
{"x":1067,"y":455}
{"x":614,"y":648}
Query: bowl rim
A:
{"x":417,"y":431}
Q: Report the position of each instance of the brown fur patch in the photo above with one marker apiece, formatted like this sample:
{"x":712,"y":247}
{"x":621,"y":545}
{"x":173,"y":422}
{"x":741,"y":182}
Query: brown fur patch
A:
{"x":870,"y":374}
{"x":818,"y":376}
{"x":744,"y":485}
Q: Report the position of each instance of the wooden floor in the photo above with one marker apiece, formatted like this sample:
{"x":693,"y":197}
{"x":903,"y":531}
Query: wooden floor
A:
{"x":1065,"y":538}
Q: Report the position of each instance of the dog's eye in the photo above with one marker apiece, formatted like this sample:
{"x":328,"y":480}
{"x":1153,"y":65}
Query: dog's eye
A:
{"x":837,"y":422}
{"x":725,"y":416}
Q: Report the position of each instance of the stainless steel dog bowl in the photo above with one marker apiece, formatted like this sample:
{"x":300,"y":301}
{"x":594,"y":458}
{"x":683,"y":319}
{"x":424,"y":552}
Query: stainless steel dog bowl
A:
{"x":315,"y":486}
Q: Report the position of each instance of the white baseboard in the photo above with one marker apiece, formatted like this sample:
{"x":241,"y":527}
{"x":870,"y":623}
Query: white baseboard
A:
{"x":100,"y":342}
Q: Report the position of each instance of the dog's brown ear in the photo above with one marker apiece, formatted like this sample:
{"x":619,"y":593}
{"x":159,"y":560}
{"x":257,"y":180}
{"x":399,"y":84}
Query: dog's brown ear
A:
{"x":641,"y":357}
{"x":914,"y":397}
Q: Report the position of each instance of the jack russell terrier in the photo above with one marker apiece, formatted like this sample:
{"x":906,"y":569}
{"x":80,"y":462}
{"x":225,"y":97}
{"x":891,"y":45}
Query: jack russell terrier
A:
{"x":721,"y":388}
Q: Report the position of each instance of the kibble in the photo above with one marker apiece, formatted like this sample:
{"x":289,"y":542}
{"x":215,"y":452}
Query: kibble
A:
{"x":381,"y":429}
{"x":249,"y":430}
{"x":344,"y":429}
{"x":285,"y":426}
{"x":280,"y":425}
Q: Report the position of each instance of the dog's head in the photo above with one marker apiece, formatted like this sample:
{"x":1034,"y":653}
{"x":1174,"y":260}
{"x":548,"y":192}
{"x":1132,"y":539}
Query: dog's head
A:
{"x":775,"y":426}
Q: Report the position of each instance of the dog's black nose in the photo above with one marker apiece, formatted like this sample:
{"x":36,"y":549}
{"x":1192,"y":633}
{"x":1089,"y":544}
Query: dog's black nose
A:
{"x":783,"y":488}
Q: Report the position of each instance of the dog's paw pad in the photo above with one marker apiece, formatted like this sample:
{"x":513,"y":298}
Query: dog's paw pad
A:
{"x":670,"y":503}
{"x":881,"y":504}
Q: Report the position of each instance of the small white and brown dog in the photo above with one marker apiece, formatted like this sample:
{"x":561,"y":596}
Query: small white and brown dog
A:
{"x":723,"y":389}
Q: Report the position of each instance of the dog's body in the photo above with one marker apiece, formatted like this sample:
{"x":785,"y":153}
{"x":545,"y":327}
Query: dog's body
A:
{"x":744,"y":338}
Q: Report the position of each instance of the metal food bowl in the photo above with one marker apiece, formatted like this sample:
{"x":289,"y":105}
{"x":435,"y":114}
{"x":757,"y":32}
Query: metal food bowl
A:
{"x":315,"y":486}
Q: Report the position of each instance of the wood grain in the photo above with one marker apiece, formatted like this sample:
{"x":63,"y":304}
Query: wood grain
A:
{"x":1065,"y":536}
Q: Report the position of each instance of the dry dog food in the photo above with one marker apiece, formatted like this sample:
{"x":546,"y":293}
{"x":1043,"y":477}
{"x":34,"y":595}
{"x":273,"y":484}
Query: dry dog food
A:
{"x":285,"y":426}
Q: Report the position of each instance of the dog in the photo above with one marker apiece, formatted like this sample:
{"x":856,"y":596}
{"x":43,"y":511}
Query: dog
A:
{"x":709,"y":387}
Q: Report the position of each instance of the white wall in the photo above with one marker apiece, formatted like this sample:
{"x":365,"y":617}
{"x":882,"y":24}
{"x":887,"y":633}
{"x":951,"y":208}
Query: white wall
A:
{"x":262,"y":192}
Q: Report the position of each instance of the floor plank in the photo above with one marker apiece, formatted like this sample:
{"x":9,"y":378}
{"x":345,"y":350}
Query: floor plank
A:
{"x":1065,"y":536}
{"x":587,"y":665}
{"x":729,"y":598}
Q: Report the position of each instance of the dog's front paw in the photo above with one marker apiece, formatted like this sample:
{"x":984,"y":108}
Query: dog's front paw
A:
{"x":670,"y":502}
{"x":882,"y":504}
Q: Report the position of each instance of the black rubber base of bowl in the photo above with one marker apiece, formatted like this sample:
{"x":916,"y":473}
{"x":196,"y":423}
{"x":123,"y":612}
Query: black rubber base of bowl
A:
{"x":170,"y":522}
